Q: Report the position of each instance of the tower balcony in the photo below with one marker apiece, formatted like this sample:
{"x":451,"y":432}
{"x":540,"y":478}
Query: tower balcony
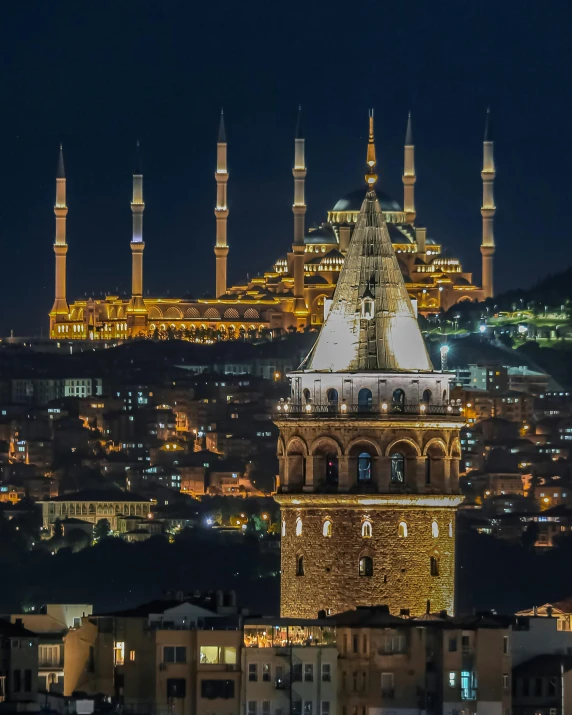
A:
{"x":384,"y":410}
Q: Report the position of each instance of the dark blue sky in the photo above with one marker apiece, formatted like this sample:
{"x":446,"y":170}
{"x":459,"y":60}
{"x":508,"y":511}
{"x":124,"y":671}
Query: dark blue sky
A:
{"x":100,"y":75}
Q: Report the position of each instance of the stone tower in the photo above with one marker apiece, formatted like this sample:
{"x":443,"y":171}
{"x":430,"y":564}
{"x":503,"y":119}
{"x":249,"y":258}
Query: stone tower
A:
{"x":368,"y":448}
{"x":137,"y":313}
{"x":488,"y":209}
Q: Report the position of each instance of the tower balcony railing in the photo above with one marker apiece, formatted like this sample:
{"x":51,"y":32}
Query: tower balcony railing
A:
{"x":285,"y":409}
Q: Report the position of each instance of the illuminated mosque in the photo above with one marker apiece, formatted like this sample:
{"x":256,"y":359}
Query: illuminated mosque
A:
{"x":297,"y":291}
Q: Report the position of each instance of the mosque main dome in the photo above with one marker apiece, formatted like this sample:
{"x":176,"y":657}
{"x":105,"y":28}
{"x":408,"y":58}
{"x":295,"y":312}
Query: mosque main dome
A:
{"x":354,"y":200}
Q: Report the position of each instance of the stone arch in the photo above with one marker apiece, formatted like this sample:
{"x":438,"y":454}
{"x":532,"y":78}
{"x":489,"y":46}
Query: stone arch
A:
{"x":295,"y":453}
{"x":251,"y":314}
{"x":435,"y":441}
{"x":325,"y":441}
{"x":211,"y":314}
{"x":231,"y":314}
{"x":358,"y":442}
{"x":410,"y":444}
{"x":455,"y":451}
{"x":121,"y":312}
{"x":280,"y":447}
{"x":192,"y":313}
{"x":173,"y":312}
{"x":111,"y":313}
{"x":324,"y":462}
{"x":155,"y":313}
{"x":296,"y":439}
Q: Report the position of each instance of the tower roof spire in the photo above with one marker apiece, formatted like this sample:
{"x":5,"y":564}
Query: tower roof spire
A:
{"x":488,"y":127}
{"x":221,"y":129}
{"x":409,"y":131}
{"x":371,"y":176}
{"x":137,"y":170}
{"x":299,"y":129}
{"x":61,"y":172}
{"x":371,"y":324}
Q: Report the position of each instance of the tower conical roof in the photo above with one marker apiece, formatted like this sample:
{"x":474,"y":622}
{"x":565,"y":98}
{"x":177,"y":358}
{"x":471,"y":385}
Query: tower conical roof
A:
{"x":371,"y":324}
{"x":61,"y":172}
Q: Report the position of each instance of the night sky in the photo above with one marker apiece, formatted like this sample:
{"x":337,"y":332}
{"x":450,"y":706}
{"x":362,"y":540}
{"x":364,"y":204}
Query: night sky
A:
{"x":100,"y":75}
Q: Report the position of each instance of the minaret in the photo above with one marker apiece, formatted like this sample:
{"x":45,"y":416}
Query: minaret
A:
{"x":409,"y":177}
{"x":488,"y":209}
{"x":60,"y":310}
{"x":136,"y":310}
{"x":369,"y":448}
{"x":221,"y":209}
{"x":299,"y":211}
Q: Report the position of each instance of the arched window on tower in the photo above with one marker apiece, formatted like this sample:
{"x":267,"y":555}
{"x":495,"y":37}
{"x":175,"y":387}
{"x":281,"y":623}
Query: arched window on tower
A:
{"x":283,"y":527}
{"x":366,"y":530}
{"x":398,"y":401}
{"x":298,"y":526}
{"x":366,"y":566}
{"x":306,"y":395}
{"x":327,"y":528}
{"x":450,"y":529}
{"x":331,"y":469}
{"x":299,"y":566}
{"x":402,"y":530}
{"x":426,"y":397}
{"x":434,"y":529}
{"x":332,"y":397}
{"x":364,"y":399}
{"x":364,"y":468}
{"x":434,"y":566}
{"x":397,"y":468}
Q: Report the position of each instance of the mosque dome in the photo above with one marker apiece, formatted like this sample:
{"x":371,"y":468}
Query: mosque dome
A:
{"x":354,"y":200}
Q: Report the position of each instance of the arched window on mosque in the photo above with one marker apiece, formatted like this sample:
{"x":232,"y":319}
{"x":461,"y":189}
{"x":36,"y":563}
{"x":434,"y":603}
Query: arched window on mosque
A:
{"x":366,"y":530}
{"x":331,"y":469}
{"x":366,"y":566}
{"x":364,"y":467}
{"x":299,"y":566}
{"x":327,"y":528}
{"x":402,"y":530}
{"x":298,"y":527}
{"x":397,"y":468}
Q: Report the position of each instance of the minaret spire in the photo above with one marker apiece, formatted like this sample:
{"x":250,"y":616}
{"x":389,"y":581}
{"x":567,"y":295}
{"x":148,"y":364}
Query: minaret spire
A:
{"x":136,"y":310}
{"x":409,"y":176}
{"x":299,"y":211}
{"x":371,"y":176}
{"x":60,"y":309}
{"x":221,"y":209}
{"x":488,"y":208}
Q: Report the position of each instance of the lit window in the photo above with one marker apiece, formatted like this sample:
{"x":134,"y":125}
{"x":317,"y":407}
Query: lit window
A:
{"x":402,"y":530}
{"x":434,"y":530}
{"x":327,"y":528}
{"x":366,"y":566}
{"x":132,"y":656}
{"x":452,"y":679}
{"x":298,"y":527}
{"x":283,"y":528}
{"x":119,"y":653}
{"x":366,"y":530}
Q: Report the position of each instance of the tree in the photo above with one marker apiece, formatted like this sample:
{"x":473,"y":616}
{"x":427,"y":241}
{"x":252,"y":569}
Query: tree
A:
{"x":102,"y":529}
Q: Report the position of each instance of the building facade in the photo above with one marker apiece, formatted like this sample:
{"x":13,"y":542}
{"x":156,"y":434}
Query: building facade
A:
{"x":368,"y":448}
{"x":295,"y":292}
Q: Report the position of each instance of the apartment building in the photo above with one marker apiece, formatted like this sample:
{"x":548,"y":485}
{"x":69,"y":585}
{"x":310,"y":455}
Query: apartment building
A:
{"x":289,"y":667}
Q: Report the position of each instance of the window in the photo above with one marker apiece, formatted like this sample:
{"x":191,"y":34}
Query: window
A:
{"x":174,"y":654}
{"x":434,"y":529}
{"x":452,"y":645}
{"x":356,"y":644}
{"x":253,"y":672}
{"x":452,"y":679}
{"x":176,"y":688}
{"x":283,"y":528}
{"x":252,"y":707}
{"x":306,"y":394}
{"x":325,"y":710}
{"x":300,"y":566}
{"x":366,"y":530}
{"x":364,"y":399}
{"x":308,"y":673}
{"x":387,"y":688}
{"x":468,"y":685}
{"x":27,"y":681}
{"x":450,"y":529}
{"x":402,"y":530}
{"x":426,"y":396}
{"x":364,"y":467}
{"x":465,"y":644}
{"x":213,"y":655}
{"x":119,"y":653}
{"x":398,"y":401}
{"x":434,"y":566}
{"x":266,"y":707}
{"x":394,"y":644}
{"x":364,"y":644}
{"x":132,"y":656}
{"x":397,"y":468}
{"x":326,"y":673}
{"x":296,"y":672}
{"x":212,"y":689}
{"x":366,"y":566}
{"x":332,"y":397}
{"x":505,"y":646}
{"x":327,"y":528}
{"x":331,"y":469}
{"x":308,"y":707}
{"x":298,"y":527}
{"x":266,"y":672}
{"x":296,"y":707}
{"x":505,"y":681}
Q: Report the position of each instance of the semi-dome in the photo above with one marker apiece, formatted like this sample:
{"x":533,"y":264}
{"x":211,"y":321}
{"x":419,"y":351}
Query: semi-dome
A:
{"x":354,"y":200}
